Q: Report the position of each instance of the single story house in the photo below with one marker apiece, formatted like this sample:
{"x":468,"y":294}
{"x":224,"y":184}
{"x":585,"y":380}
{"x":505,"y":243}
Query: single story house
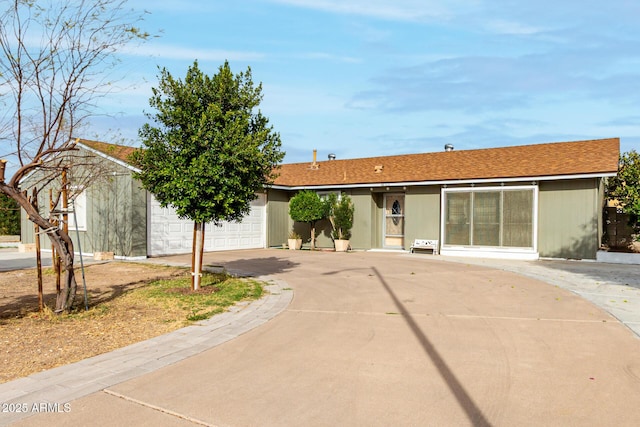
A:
{"x":521,"y":202}
{"x":115,"y":214}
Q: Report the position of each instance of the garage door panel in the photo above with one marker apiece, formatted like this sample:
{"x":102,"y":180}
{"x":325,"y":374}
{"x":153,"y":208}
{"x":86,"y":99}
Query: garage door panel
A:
{"x":171,"y":235}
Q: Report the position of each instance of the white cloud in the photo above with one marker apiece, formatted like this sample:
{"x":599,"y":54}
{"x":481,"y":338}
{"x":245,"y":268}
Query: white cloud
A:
{"x":400,"y":10}
{"x":512,"y":27}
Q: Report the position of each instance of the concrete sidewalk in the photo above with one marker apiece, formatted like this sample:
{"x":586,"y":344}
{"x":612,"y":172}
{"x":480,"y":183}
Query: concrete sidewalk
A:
{"x":369,"y":339}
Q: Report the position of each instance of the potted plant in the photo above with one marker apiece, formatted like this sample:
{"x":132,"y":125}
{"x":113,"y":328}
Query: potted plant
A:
{"x":307,"y":206}
{"x":341,"y":218}
{"x":295,"y":240}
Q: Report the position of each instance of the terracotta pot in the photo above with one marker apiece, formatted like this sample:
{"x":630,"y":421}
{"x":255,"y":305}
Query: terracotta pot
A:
{"x":341,"y":245}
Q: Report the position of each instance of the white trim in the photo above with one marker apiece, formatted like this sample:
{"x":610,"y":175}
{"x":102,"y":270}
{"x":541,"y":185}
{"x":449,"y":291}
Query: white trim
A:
{"x":494,"y":253}
{"x":384,"y":220}
{"x":444,"y":182}
{"x":456,"y":250}
{"x":86,"y":254}
{"x":130,"y":258}
{"x":78,"y":211}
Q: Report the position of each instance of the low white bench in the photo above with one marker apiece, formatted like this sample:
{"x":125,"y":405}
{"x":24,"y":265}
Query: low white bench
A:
{"x":424,"y":244}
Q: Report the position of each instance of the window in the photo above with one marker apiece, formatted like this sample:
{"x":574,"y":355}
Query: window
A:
{"x":324,"y":195}
{"x":80,"y":206}
{"x":458,"y":218}
{"x":489,"y":217}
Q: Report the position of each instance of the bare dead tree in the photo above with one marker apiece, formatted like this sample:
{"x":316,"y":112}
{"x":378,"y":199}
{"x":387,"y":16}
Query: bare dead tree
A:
{"x":55,"y":61}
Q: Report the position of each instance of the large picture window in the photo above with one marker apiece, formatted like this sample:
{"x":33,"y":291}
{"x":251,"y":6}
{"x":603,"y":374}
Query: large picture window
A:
{"x":489,"y":217}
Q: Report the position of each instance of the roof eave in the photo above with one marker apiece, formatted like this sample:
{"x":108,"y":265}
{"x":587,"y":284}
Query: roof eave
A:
{"x":444,"y":182}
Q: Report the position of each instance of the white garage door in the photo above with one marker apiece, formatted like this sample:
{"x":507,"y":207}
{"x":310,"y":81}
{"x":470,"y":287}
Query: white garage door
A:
{"x":171,"y":235}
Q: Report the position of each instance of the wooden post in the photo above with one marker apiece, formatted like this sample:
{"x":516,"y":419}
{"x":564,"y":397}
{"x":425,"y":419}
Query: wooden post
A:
{"x":65,"y":202}
{"x":193,"y":255}
{"x":204,"y":226}
{"x":36,"y":228}
{"x":197,"y":265}
{"x":65,"y":205}
{"x":3,"y":164}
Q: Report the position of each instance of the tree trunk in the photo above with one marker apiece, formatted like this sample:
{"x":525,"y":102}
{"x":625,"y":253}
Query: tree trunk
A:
{"x":196,"y":270}
{"x":59,"y":239}
{"x":313,"y":236}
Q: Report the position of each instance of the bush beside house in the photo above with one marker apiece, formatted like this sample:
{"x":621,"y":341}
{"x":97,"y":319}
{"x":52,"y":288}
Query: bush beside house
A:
{"x":341,"y":217}
{"x":9,"y":216}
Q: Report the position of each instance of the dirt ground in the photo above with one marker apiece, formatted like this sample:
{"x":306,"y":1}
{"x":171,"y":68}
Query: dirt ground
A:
{"x":32,"y":341}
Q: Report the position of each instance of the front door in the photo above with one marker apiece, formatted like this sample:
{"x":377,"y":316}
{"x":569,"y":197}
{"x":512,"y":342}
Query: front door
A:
{"x":393,"y":225}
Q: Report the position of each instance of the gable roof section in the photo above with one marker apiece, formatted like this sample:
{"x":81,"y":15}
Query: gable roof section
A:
{"x":118,"y":153}
{"x":539,"y":161}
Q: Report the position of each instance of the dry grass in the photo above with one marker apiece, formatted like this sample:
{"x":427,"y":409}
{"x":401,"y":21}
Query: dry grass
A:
{"x":128,"y":303}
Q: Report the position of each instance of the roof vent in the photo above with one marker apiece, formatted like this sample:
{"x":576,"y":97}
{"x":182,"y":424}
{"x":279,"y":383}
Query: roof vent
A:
{"x":378,"y":168}
{"x":314,"y":165}
{"x":331,"y":156}
{"x":448,"y":147}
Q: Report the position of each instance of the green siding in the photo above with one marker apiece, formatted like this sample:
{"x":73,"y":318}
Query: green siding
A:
{"x":377,"y":215}
{"x":323,"y":232}
{"x":138,"y":219}
{"x":278,"y":221}
{"x":568,"y":218}
{"x":363,"y":232}
{"x":116,"y":215}
{"x":422,"y":214}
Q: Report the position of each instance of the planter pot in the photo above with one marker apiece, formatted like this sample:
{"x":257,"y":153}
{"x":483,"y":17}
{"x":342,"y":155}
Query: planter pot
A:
{"x":341,"y":245}
{"x":295,"y":244}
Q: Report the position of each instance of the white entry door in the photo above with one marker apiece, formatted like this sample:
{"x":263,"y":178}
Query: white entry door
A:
{"x":169,"y":234}
{"x":393,"y":225}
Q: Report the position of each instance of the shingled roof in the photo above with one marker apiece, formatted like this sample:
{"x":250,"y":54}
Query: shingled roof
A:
{"x":118,"y":152}
{"x":592,"y":157}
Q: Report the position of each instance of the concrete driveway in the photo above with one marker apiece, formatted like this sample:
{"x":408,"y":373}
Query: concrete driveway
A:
{"x":11,"y":259}
{"x":380,"y":339}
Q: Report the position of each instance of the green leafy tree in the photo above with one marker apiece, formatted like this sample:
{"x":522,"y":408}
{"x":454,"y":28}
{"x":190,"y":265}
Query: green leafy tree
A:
{"x":341,"y":216}
{"x":625,"y":187}
{"x":55,"y":62}
{"x":208,"y":150}
{"x":9,"y":216}
{"x":308,"y":207}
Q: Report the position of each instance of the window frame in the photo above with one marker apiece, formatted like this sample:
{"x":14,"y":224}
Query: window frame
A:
{"x":80,"y":210}
{"x":445,"y":191}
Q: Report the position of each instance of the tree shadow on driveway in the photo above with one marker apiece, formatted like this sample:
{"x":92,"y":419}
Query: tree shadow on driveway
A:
{"x":472,"y":411}
{"x":255,"y":266}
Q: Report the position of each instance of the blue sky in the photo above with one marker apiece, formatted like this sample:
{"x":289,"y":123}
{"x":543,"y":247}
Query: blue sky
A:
{"x":362,"y":78}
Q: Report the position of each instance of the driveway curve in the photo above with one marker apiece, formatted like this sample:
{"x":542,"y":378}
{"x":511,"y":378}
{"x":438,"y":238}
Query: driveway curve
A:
{"x":382,"y":339}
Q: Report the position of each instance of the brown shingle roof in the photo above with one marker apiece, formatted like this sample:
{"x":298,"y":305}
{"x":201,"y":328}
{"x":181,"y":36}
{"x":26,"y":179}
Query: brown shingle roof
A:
{"x":120,"y":152}
{"x":540,"y":160}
